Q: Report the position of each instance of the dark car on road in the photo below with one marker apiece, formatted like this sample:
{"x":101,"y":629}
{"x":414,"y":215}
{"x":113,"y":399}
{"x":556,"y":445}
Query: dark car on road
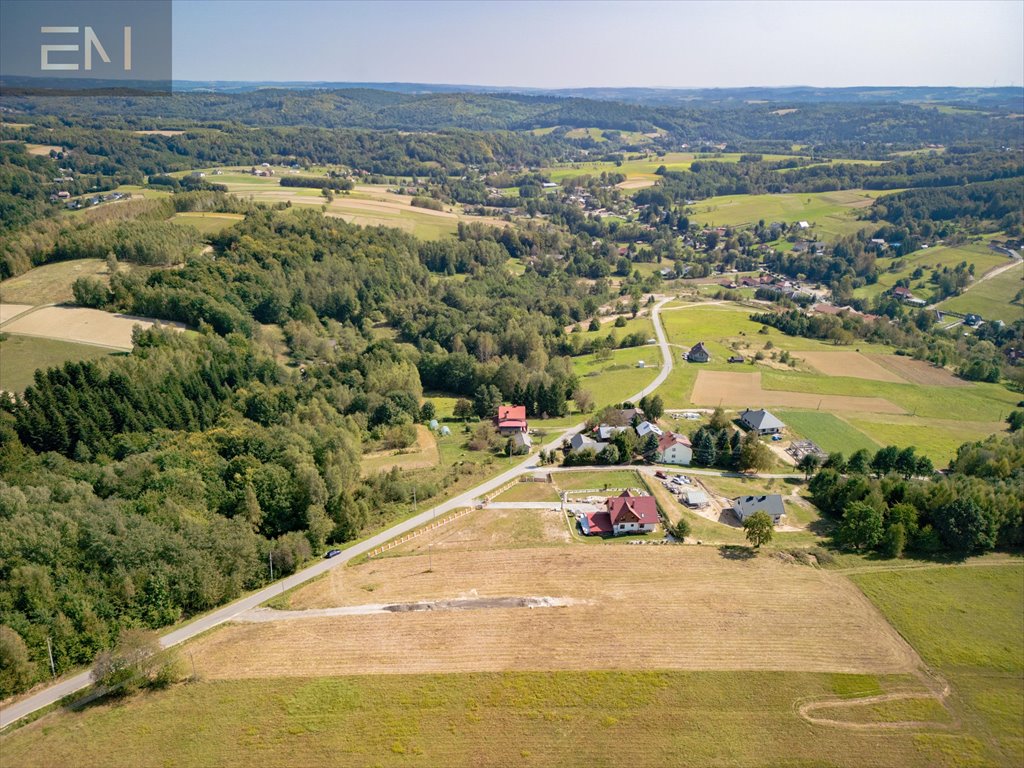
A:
{"x":332,"y":553}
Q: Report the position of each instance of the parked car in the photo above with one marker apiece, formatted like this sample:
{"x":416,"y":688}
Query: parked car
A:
{"x":661,"y":475}
{"x":332,"y":553}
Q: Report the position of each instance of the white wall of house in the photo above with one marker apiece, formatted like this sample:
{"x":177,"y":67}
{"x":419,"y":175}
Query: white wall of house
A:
{"x":677,"y":454}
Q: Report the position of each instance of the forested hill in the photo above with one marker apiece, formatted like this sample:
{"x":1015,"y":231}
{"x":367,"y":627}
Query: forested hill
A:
{"x":1009,"y":98}
{"x":785,"y":121}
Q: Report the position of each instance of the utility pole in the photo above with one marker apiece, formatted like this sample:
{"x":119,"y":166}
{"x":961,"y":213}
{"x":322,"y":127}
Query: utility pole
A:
{"x":414,"y":498}
{"x":193,"y":658}
{"x":49,"y":650}
{"x":271,"y":555}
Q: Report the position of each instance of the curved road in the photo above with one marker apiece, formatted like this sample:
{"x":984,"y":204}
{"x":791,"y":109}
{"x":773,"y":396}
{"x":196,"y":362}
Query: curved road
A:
{"x":68,"y":686}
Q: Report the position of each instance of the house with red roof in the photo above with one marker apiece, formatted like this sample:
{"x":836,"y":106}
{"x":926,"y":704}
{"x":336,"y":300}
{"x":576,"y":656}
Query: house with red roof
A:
{"x":674,"y":449}
{"x":624,"y":513}
{"x":511,"y":419}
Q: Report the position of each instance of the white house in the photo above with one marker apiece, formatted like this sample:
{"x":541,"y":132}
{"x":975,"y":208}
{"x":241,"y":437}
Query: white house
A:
{"x":674,"y":449}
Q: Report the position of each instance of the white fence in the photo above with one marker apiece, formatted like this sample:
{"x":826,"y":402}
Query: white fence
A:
{"x":413,"y":534}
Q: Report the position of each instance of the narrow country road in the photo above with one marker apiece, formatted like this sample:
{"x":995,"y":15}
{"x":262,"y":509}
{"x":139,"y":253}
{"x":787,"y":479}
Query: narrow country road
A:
{"x":58,"y":691}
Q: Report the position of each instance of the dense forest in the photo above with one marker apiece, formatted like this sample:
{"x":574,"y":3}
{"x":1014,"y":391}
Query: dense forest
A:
{"x":871,"y":123}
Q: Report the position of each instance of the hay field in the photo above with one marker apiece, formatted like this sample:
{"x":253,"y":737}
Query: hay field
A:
{"x":418,"y":456}
{"x":488,"y":529}
{"x":918,"y":371}
{"x":207,"y":223}
{"x":85,"y":326}
{"x":698,"y":611}
{"x":745,"y":390}
{"x":50,"y":283}
{"x":847,"y":363}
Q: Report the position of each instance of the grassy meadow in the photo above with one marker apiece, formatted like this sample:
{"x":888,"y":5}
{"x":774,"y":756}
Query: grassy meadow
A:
{"x":21,"y":356}
{"x":891,"y":270}
{"x":967,"y":622}
{"x":992,"y":298}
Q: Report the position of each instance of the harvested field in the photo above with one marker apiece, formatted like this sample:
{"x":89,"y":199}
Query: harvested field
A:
{"x":86,"y":326}
{"x":42,"y":149}
{"x":636,"y":184}
{"x":744,"y":389}
{"x":21,"y":356}
{"x":10,"y":311}
{"x":701,"y":611}
{"x":422,"y":454}
{"x":491,"y":529}
{"x":852,"y":364}
{"x":919,"y":371}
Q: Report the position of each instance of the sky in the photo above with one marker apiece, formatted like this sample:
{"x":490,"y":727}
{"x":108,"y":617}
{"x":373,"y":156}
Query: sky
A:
{"x":574,"y":43}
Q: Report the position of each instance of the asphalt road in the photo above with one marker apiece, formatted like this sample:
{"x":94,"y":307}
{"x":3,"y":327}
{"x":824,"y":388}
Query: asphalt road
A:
{"x":66,"y":687}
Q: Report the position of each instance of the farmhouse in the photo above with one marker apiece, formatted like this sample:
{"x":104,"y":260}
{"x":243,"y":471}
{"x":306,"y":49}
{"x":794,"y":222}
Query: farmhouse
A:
{"x":511,"y":419}
{"x":772,"y":505}
{"x":625,"y":415}
{"x":699,"y":354}
{"x":761,"y":421}
{"x":674,"y":449}
{"x":624,"y":513}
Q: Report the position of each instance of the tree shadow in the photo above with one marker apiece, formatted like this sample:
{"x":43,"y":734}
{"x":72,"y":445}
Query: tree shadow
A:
{"x":736,"y":552}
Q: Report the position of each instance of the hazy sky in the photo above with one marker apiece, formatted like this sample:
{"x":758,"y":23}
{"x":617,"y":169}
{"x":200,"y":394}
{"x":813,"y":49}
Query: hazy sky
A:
{"x":577,"y":43}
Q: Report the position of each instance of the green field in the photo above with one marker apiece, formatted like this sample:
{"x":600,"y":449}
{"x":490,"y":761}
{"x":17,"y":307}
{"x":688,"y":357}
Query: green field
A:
{"x":991,"y":298}
{"x":587,"y":479}
{"x":832,"y":214}
{"x":20,"y":356}
{"x":979,"y":254}
{"x":639,"y":324}
{"x":613,"y":380}
{"x":983,"y":402}
{"x":586,"y":719}
{"x":830,"y":432}
{"x":207,"y":223}
{"x":967,"y":622}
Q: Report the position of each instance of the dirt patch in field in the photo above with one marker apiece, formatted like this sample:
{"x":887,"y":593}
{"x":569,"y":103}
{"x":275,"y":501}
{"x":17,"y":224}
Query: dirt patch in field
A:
{"x":852,"y":364}
{"x":744,"y":389}
{"x":86,"y":326}
{"x":919,"y":372}
{"x":686,"y":608}
{"x":423,"y":454}
{"x":636,"y":184}
{"x":10,"y":311}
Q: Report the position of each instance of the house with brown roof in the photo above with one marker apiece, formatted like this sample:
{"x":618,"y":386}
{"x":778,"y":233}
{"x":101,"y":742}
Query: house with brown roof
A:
{"x":511,"y":419}
{"x":623,"y":514}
